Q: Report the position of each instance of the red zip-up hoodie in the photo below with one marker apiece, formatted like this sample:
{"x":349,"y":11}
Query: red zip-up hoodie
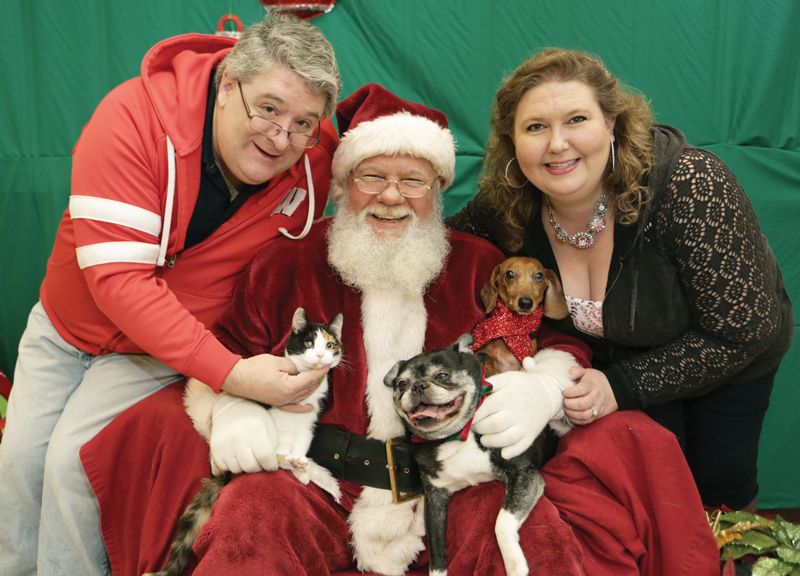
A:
{"x":118,"y":278}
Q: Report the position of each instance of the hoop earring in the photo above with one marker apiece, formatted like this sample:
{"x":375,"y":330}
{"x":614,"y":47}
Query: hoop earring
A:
{"x":613,"y":155}
{"x":508,"y":179}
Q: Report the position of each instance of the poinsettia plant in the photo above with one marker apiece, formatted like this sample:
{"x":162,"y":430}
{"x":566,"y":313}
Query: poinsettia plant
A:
{"x":775,"y":544}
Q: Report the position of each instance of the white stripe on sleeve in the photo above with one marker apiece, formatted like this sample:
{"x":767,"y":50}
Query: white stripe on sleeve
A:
{"x":112,"y":252}
{"x":162,"y":251}
{"x":114,"y":212}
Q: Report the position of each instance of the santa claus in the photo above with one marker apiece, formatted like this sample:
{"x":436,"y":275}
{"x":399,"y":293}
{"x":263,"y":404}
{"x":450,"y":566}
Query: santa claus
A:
{"x":404,"y":284}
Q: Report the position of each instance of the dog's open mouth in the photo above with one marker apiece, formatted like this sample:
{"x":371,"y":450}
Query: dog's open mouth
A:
{"x":434,"y":412}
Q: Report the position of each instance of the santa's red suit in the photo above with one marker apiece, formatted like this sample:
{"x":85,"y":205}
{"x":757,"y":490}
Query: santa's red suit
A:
{"x":619,"y":496}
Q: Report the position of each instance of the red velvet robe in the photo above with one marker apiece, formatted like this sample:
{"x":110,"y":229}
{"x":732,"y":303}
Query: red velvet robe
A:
{"x":619,"y":496}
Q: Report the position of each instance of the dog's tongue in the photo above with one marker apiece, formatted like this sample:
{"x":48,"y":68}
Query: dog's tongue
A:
{"x":437,"y":412}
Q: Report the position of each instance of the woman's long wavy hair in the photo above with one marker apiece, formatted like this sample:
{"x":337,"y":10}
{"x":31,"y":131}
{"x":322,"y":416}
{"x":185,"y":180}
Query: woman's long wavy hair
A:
{"x":632,"y":132}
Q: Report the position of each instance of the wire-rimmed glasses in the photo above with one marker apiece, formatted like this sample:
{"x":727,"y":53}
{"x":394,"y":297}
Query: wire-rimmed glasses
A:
{"x":408,"y":187}
{"x":272,"y":129}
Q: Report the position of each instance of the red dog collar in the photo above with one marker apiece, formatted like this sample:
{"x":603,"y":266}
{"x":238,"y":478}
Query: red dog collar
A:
{"x":515,"y":330}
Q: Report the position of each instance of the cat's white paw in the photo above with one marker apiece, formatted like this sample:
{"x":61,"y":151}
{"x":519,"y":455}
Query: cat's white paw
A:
{"x":297,"y":466}
{"x":299,"y":463}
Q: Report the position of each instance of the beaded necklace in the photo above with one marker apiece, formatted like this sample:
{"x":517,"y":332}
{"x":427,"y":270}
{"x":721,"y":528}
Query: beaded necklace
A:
{"x":595,"y":225}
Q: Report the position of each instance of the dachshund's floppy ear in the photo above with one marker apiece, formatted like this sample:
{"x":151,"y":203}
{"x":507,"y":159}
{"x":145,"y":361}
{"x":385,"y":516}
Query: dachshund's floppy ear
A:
{"x":489,"y":291}
{"x":555,"y":305}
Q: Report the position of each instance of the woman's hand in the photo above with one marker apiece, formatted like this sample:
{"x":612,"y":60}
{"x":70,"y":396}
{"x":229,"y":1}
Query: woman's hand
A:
{"x":273,"y":380}
{"x":591,"y":398}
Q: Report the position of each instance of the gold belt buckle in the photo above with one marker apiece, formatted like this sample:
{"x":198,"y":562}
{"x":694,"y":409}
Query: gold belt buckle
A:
{"x":397,"y":496}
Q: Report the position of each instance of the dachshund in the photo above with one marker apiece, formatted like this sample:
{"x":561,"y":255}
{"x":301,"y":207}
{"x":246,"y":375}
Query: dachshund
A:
{"x":526,"y":291}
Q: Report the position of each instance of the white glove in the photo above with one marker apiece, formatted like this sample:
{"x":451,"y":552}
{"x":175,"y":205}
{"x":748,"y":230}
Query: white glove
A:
{"x":243,"y":436}
{"x":522,"y":403}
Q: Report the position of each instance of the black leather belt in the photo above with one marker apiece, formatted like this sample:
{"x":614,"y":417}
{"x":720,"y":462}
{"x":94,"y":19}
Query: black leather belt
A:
{"x":367,"y":461}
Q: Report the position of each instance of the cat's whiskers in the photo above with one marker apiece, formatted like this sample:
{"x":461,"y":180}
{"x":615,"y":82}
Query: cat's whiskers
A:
{"x":344,"y":365}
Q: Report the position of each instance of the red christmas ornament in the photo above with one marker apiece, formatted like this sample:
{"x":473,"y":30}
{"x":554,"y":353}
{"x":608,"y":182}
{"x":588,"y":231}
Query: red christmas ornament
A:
{"x":304,"y":10}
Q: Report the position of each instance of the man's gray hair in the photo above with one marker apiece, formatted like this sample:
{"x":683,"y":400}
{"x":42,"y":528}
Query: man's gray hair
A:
{"x":284,"y":40}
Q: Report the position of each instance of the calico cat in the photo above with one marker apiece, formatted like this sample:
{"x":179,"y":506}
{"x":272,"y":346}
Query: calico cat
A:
{"x":310,"y":345}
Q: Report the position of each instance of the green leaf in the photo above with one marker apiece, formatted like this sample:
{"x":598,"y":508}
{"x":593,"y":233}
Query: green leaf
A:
{"x":739,"y":516}
{"x":787,"y":533}
{"x":758,"y":541}
{"x":777,"y":544}
{"x":771,"y":567}
{"x":789,"y":554}
{"x":736,"y":551}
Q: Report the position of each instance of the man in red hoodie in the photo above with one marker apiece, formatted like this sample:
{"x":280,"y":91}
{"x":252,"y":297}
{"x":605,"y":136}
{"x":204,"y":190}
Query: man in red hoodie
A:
{"x":178,"y":179}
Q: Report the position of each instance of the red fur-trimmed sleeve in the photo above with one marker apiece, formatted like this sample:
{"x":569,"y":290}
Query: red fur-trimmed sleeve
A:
{"x":550,"y":338}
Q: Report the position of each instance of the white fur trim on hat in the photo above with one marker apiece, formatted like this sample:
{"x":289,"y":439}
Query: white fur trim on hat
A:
{"x":400,"y":134}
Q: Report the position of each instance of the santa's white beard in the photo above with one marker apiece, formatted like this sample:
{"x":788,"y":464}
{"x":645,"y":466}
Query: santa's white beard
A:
{"x":408,"y":262}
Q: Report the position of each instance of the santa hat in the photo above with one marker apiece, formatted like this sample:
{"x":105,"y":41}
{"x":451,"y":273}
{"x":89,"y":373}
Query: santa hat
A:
{"x":373,"y":122}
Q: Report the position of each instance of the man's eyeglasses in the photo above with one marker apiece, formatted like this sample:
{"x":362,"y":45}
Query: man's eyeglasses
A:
{"x":409,"y":187}
{"x":272,"y":129}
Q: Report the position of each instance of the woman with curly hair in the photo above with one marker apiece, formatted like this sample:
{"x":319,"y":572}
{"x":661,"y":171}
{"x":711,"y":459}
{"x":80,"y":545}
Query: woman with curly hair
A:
{"x":667,"y":274}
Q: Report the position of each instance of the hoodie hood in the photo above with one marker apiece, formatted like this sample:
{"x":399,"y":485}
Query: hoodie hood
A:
{"x":176,"y":72}
{"x":668,"y":145}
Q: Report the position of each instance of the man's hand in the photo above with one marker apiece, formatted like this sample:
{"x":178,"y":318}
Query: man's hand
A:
{"x":243,"y":437}
{"x":523,"y":402}
{"x":273,"y":380}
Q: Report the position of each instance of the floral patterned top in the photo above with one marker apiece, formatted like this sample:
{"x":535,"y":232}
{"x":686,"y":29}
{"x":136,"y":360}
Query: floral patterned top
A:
{"x":587,"y":315}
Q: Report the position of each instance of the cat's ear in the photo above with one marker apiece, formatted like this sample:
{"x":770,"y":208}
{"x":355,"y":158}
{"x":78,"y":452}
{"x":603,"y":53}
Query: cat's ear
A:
{"x":388,"y":380}
{"x":336,"y":325}
{"x":463,"y":344}
{"x":299,"y":320}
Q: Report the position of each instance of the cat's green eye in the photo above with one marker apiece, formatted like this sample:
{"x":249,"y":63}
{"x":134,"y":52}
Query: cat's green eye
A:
{"x":329,"y":346}
{"x":309,"y":345}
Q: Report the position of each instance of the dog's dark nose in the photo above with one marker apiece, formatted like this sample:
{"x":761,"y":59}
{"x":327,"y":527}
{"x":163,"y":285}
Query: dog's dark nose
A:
{"x":525,"y":303}
{"x":420,"y":387}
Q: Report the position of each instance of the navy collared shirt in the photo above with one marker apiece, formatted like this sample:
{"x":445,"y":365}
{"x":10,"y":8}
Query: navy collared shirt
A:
{"x":214,"y":205}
